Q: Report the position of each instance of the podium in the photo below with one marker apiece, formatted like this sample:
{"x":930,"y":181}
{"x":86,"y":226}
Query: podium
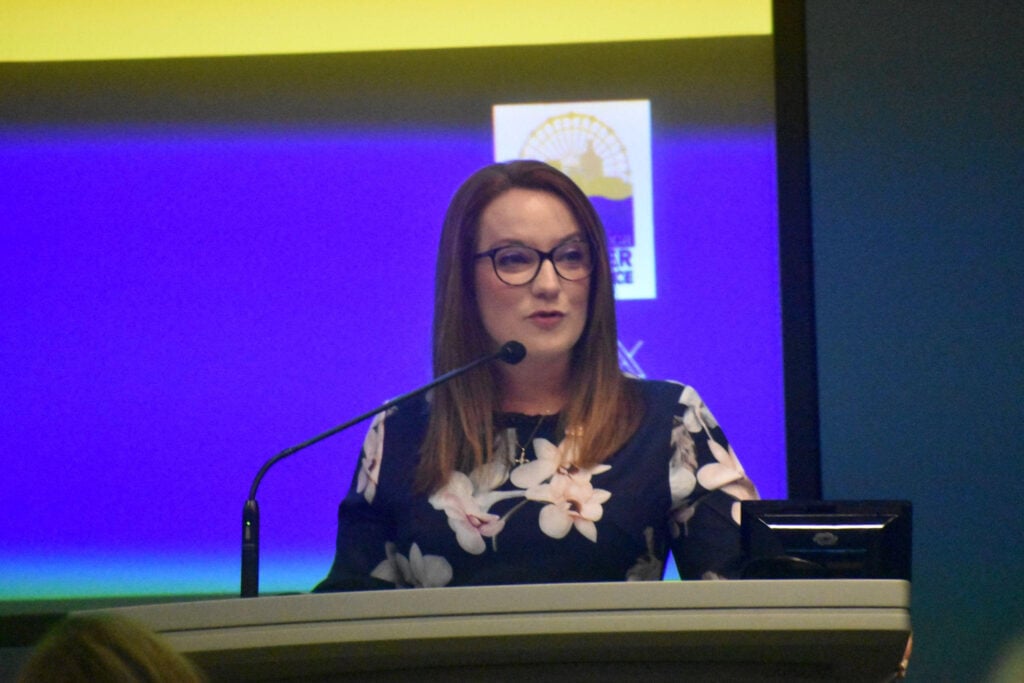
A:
{"x":756,"y":630}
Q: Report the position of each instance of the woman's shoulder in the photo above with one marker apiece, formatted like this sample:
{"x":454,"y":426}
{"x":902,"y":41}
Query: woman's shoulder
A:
{"x":660,"y":391}
{"x":408,"y":418}
{"x":662,"y":398}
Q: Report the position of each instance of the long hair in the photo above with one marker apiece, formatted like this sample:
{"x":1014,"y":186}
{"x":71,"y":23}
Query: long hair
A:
{"x":603,"y":409}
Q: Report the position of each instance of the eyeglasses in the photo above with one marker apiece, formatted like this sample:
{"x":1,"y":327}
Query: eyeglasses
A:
{"x":518,"y":265}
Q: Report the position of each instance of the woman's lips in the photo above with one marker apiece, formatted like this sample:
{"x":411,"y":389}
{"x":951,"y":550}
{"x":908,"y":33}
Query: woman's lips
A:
{"x":546,"y":319}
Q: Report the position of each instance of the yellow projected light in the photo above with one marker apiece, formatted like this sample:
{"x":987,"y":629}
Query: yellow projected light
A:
{"x":52,"y":30}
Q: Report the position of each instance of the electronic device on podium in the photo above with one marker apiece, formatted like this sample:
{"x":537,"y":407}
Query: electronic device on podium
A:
{"x":868,"y":539}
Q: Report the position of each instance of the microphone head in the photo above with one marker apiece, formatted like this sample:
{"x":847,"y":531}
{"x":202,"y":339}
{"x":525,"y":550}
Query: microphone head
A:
{"x":512,"y":352}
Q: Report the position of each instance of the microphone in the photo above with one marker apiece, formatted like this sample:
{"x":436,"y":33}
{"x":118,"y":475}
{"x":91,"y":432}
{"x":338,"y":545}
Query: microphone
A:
{"x":510,"y":352}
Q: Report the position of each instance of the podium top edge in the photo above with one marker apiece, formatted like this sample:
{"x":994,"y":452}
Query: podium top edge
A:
{"x":525,"y":598}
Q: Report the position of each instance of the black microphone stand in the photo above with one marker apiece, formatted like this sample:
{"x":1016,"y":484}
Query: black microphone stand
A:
{"x":511,"y":352}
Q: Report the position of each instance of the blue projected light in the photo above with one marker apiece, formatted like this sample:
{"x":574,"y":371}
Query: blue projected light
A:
{"x":183,"y":301}
{"x":196,"y":304}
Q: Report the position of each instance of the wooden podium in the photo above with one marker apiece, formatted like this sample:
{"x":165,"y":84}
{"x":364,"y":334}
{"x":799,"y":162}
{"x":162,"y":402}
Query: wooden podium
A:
{"x":792,"y":630}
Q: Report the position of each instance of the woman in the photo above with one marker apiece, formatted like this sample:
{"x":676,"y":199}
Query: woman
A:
{"x":558,"y":468}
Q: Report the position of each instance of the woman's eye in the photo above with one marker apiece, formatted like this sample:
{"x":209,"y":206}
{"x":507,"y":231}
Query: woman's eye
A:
{"x":512,"y":258}
{"x":573,"y":254}
{"x":570,"y":256}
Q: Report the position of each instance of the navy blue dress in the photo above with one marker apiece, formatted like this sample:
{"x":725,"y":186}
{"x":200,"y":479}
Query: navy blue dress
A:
{"x":676,"y":484}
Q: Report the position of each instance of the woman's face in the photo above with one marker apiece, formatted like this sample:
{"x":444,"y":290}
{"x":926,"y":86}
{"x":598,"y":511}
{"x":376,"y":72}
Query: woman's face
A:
{"x":548,"y":314}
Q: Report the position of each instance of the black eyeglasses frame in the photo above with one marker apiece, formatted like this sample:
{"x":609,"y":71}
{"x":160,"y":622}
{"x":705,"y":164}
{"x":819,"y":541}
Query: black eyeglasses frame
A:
{"x":543,"y":256}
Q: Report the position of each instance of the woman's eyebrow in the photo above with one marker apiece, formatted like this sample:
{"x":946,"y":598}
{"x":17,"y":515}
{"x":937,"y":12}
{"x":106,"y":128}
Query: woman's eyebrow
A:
{"x":514,"y":242}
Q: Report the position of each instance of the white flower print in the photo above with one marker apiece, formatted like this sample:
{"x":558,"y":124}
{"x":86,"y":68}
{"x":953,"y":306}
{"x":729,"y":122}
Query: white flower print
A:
{"x":685,"y":514}
{"x":416,"y":571}
{"x":648,"y":566}
{"x":373,"y":452}
{"x":572,"y":502}
{"x":488,"y":477}
{"x":548,"y":459}
{"x":683,"y":464}
{"x":716,"y":475}
{"x":726,"y":474}
{"x":571,"y":499}
{"x":697,"y":416}
{"x":467,"y":505}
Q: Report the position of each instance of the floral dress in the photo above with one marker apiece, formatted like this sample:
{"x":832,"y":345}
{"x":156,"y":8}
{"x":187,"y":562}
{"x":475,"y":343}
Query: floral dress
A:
{"x":531,"y":516}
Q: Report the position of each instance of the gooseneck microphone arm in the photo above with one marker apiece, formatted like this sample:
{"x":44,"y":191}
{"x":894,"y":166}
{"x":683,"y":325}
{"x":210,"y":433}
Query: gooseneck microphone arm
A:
{"x":511,"y":352}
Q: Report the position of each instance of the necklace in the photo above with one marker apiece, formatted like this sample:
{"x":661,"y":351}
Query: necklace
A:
{"x":521,"y":458}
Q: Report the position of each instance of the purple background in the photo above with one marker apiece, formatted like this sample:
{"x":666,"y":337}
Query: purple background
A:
{"x":182,"y":303}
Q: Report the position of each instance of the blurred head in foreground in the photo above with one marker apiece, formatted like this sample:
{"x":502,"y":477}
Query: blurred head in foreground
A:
{"x":105,"y":649}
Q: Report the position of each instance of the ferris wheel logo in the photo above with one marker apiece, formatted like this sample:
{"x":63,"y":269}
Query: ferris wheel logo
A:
{"x":605,"y":147}
{"x":585,"y":149}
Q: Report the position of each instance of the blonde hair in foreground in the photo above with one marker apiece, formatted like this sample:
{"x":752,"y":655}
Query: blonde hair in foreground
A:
{"x":106,"y":649}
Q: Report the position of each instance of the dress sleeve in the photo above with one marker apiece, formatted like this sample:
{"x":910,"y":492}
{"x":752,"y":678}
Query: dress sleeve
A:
{"x":707,"y":484}
{"x":361,"y":560}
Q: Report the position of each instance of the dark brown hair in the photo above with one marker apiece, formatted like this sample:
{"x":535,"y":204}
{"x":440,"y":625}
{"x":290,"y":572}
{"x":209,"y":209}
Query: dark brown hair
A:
{"x":603,"y":410}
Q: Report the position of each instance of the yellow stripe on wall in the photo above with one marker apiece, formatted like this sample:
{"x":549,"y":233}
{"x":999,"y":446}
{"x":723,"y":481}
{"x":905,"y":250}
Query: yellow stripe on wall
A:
{"x":49,"y":30}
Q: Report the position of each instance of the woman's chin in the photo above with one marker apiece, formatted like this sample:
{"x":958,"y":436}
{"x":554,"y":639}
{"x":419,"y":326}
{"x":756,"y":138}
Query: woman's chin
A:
{"x":547,"y":353}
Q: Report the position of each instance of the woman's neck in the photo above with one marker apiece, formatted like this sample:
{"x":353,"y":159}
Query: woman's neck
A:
{"x":535,"y":388}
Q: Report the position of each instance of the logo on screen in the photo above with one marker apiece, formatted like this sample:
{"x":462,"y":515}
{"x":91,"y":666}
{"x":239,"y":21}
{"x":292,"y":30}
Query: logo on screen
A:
{"x":605,"y":147}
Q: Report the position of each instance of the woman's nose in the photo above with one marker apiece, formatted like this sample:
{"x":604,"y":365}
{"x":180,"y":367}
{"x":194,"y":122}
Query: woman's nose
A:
{"x":547,"y":279}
